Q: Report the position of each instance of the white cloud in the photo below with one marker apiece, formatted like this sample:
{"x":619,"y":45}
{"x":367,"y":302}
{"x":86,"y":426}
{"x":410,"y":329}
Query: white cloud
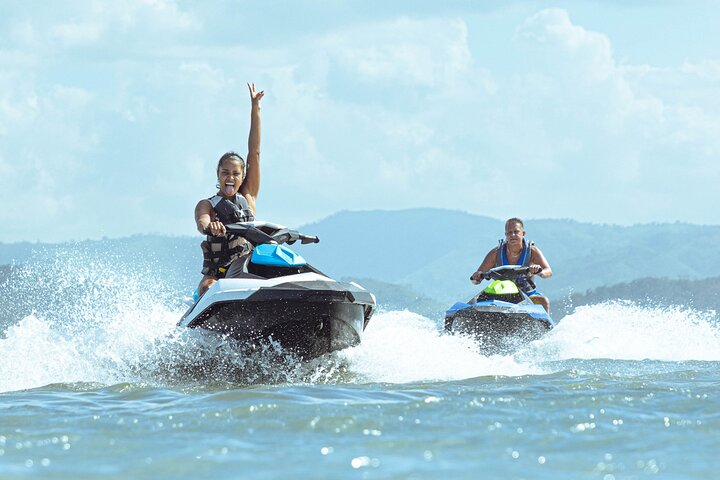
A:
{"x":387,"y":113}
{"x":582,"y":63}
{"x":46,"y":135}
{"x":698,"y":128}
{"x":706,"y":70}
{"x":590,"y":50}
{"x":72,"y":97}
{"x":75,"y":34}
{"x":166,"y":13}
{"x":131,"y":25}
{"x":632,"y":136}
{"x":206,"y":78}
{"x":23,"y":32}
{"x":406,"y":51}
{"x":573,"y":120}
{"x":18,"y":102}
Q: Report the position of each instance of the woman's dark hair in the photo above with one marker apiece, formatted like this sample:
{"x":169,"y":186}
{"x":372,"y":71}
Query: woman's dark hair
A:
{"x":233,"y":157}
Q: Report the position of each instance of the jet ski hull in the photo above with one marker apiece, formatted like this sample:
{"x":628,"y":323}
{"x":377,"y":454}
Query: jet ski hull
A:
{"x":499,"y":327}
{"x":307,"y":329}
{"x":309,"y":318}
{"x":275,"y":295}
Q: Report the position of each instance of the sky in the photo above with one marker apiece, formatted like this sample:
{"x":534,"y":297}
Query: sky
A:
{"x":113,"y":114}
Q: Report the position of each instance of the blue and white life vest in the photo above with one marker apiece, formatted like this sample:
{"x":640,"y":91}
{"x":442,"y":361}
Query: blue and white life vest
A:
{"x":524,"y":283}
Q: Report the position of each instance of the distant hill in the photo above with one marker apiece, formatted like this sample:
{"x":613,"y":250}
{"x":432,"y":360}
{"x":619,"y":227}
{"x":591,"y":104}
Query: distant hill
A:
{"x":176,"y":260}
{"x":697,"y":294}
{"x":435,"y":251}
{"x":431,"y":251}
{"x":402,"y":297}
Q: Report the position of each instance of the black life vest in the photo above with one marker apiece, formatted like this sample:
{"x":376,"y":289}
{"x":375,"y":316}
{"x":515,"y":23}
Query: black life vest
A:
{"x":524,"y":283}
{"x":220,"y":252}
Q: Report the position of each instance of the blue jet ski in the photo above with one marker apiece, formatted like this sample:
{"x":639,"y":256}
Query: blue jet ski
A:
{"x":278,"y":295}
{"x":501,"y":317}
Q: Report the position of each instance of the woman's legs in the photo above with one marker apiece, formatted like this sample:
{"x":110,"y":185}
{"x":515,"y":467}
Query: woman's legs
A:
{"x":206,"y":282}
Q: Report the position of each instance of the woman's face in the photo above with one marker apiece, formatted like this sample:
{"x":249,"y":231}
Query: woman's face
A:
{"x":230,"y":177}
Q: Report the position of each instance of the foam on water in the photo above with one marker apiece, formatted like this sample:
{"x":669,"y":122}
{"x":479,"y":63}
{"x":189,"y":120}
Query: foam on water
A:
{"x":142,"y":344}
{"x":402,"y":346}
{"x":67,"y":319}
{"x":626,"y":331}
{"x":106,"y":324}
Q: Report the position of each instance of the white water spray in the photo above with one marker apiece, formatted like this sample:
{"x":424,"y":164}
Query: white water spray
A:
{"x":104,"y":324}
{"x":626,"y":331}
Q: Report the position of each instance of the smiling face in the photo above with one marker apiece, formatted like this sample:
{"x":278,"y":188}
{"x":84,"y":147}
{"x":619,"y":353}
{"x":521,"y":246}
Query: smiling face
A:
{"x":514,"y":232}
{"x":230,"y":176}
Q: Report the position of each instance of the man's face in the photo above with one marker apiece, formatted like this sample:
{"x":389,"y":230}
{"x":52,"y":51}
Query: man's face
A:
{"x":514,"y":233}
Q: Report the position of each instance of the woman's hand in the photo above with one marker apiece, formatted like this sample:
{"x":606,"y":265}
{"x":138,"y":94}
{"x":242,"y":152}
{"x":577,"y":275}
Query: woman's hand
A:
{"x":217,"y":229}
{"x":476,"y":277}
{"x":255,"y":96}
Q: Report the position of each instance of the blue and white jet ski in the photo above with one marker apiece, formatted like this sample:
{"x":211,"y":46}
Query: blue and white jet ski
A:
{"x":279,"y":296}
{"x":501,"y":317}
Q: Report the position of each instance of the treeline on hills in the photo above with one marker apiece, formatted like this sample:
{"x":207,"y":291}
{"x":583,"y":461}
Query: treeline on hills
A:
{"x":419,"y":259}
{"x":392,"y":296}
{"x":701,"y":294}
{"x":433,"y":251}
{"x":697,"y":294}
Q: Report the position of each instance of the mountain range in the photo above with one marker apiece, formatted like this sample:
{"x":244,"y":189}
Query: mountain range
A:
{"x":428,"y":254}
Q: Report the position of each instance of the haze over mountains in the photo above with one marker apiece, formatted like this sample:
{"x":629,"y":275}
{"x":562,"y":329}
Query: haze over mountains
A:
{"x":428,"y":251}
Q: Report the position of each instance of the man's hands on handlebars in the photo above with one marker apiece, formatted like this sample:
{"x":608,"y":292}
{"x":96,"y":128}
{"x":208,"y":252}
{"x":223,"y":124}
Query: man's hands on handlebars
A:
{"x":535,"y":269}
{"x":477,"y":277}
{"x":505,"y":272}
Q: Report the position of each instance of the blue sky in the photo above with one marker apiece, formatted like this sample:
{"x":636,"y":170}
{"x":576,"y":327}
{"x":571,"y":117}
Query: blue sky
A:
{"x":113,"y":114}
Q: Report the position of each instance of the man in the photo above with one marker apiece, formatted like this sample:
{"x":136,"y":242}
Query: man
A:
{"x":516,"y":250}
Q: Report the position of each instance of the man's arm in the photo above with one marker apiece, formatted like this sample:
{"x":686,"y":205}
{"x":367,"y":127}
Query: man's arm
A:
{"x":251,"y":185}
{"x":486,"y":265}
{"x":538,"y":265}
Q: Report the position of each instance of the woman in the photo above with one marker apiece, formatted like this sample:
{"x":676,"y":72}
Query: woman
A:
{"x":516,"y":250}
{"x":238,"y":186}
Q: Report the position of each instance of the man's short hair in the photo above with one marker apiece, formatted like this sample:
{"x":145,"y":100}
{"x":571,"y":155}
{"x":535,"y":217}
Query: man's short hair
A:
{"x":515,"y":220}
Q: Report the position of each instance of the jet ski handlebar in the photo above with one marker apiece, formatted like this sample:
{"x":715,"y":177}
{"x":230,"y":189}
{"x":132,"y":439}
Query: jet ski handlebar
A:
{"x":506,"y":272}
{"x":258,"y":233}
{"x":291,"y":236}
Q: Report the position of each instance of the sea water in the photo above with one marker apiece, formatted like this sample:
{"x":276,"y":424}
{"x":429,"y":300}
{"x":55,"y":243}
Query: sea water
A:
{"x":98,"y":382}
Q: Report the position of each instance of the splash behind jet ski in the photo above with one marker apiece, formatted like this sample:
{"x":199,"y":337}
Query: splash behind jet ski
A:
{"x":501,"y":317}
{"x":279,"y":296}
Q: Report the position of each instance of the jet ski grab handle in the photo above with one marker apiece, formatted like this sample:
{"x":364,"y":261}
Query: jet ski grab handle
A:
{"x":291,"y":236}
{"x":257,"y":237}
{"x":506,"y":272}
